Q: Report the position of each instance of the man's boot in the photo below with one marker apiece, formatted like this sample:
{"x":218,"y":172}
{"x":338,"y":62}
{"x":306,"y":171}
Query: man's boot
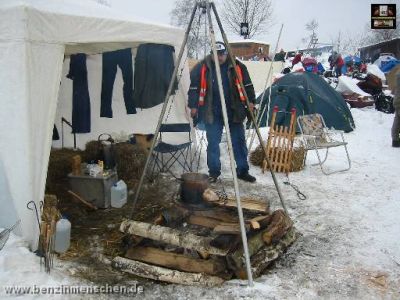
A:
{"x":396,"y":144}
{"x":247,"y":177}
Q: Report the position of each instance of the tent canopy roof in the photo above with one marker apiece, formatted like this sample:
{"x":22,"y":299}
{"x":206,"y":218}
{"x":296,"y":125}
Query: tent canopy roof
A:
{"x":83,"y":26}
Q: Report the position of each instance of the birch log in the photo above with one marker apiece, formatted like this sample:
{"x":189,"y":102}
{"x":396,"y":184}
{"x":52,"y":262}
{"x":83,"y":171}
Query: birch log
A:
{"x":163,"y":274}
{"x":171,"y":236}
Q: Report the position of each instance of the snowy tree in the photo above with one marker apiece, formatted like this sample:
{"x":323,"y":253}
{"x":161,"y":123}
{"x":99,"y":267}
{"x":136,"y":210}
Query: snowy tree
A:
{"x":257,"y":13}
{"x":198,"y":42}
{"x":312,"y":39}
{"x":373,"y":36}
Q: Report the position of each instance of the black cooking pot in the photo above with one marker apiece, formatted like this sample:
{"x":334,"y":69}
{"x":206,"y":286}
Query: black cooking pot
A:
{"x":193,"y":186}
{"x":107,"y":150}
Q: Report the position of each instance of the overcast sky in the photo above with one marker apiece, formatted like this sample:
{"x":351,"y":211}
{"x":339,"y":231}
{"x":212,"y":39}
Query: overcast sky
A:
{"x":346,"y":16}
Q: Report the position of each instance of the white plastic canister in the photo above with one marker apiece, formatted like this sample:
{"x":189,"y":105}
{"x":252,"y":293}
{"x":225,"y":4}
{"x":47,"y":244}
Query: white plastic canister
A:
{"x":119,"y":194}
{"x":63,"y":236}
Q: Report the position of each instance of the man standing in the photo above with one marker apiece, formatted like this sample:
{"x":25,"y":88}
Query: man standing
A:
{"x":396,"y":121}
{"x":205,"y":105}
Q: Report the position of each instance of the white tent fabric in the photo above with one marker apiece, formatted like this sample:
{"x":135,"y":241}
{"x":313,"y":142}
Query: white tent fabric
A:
{"x":34,"y":37}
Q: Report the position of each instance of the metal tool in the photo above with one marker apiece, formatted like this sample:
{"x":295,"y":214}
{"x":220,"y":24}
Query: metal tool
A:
{"x":5,"y":234}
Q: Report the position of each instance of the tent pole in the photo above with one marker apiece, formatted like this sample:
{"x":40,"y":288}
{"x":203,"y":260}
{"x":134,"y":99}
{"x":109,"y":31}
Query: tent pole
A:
{"x":232,"y":59}
{"x":259,"y":117}
{"x":164,"y":108}
{"x":230,"y":148}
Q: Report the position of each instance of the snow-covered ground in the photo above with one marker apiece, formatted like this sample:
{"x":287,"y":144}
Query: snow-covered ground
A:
{"x":350,"y":225}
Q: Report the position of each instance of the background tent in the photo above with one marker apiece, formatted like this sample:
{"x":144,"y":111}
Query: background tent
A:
{"x":35,"y":35}
{"x":383,"y":59}
{"x":307,"y":93}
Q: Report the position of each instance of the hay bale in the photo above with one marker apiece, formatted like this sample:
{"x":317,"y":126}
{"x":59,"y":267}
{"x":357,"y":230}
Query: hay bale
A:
{"x":92,"y":152}
{"x":60,"y":165}
{"x":297,"y":163}
{"x":130,"y":161}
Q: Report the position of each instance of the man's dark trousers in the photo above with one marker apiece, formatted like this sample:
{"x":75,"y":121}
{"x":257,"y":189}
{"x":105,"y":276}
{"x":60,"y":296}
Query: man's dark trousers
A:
{"x":111,"y":60}
{"x":214,"y":134}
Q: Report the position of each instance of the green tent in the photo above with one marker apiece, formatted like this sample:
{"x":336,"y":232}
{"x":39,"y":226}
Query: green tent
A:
{"x":308,"y":93}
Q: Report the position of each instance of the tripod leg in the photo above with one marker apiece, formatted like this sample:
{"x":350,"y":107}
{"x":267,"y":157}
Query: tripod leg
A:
{"x":230,"y":148}
{"x":248,"y":105}
{"x":164,"y":108}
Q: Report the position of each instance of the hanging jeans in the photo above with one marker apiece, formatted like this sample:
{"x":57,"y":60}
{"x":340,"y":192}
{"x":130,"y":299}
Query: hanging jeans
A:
{"x":112,"y":60}
{"x":80,"y":94}
{"x":214,"y":134}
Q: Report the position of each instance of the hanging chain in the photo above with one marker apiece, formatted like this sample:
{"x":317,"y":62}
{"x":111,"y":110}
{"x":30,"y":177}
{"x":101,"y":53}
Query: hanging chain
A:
{"x":299,"y":193}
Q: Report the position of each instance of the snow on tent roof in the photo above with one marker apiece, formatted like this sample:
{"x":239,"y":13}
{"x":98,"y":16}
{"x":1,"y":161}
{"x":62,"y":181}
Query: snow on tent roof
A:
{"x":96,"y":28}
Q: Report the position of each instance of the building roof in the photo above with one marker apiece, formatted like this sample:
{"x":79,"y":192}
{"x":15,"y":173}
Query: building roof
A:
{"x":248,"y":41}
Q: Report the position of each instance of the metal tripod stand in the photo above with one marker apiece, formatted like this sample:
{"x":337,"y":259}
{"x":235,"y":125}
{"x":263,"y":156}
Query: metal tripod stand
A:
{"x":209,"y":7}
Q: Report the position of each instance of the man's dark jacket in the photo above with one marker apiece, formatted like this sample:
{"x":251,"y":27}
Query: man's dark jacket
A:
{"x":206,"y":112}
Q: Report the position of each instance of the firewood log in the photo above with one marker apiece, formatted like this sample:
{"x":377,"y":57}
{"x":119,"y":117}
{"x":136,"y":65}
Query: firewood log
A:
{"x":163,"y":274}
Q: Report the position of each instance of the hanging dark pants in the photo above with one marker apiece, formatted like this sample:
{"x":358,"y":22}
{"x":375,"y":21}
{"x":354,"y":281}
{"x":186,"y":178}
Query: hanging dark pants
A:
{"x":112,"y":60}
{"x":80,"y":94}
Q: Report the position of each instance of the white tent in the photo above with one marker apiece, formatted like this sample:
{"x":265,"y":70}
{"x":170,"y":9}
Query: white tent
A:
{"x":34,"y":37}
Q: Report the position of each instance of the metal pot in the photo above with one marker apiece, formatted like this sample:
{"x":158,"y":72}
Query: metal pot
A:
{"x":108,"y":151}
{"x":193,"y":186}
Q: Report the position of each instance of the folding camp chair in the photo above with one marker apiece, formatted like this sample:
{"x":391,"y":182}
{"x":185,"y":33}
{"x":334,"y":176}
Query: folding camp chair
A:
{"x":165,"y":155}
{"x":316,"y":136}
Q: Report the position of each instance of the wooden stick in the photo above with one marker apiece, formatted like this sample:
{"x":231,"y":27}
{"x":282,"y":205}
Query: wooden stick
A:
{"x":170,"y":236}
{"x":88,"y":204}
{"x":163,"y":274}
{"x":211,"y":197}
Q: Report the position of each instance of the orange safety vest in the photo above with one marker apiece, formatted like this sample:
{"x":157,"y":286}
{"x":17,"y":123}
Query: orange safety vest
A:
{"x":203,"y":84}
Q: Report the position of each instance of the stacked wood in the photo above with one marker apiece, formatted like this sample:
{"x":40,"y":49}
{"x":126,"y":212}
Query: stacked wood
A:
{"x":170,"y":236}
{"x":163,"y":274}
{"x":180,"y":256}
{"x":263,"y":258}
{"x":176,"y":261}
{"x":280,"y":223}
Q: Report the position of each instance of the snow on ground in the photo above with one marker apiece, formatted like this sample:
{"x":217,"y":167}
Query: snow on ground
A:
{"x":350,"y":225}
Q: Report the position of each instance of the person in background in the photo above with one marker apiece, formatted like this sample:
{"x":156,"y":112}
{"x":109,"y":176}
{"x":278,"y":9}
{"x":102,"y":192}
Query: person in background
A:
{"x":396,"y":121}
{"x":280,"y":56}
{"x":332,"y":59}
{"x":339,"y":63}
{"x":205,"y":105}
{"x":297,"y":58}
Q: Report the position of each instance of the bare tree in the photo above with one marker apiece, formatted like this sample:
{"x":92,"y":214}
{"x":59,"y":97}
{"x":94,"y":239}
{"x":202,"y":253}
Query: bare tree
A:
{"x":198,"y":43}
{"x":347,"y":43}
{"x":373,"y":36}
{"x":257,"y":13}
{"x":312,"y":39}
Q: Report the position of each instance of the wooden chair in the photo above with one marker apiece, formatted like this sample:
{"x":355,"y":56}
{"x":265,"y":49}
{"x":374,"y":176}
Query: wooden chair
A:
{"x":316,"y":136}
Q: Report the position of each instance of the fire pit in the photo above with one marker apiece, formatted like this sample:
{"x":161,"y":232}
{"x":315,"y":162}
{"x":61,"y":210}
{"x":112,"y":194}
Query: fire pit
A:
{"x":200,"y":244}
